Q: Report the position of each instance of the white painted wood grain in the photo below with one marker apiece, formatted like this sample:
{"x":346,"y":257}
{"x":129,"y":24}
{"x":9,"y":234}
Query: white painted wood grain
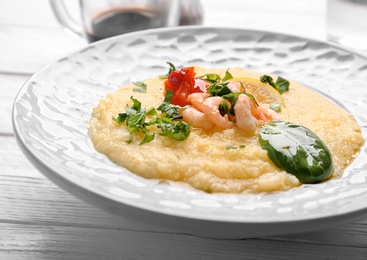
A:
{"x":301,"y":18}
{"x":26,"y":49}
{"x":33,"y":241}
{"x":28,"y":198}
{"x":9,"y":87}
{"x":29,"y":43}
{"x":27,"y":13}
{"x":38,"y":220}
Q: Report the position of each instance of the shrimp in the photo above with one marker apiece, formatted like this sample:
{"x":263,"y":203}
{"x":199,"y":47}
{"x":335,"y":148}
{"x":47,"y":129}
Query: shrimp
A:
{"x":265,"y":114}
{"x":211,"y":109}
{"x":196,"y":118}
{"x":246,"y":122}
{"x":234,"y":87}
{"x":197,"y":99}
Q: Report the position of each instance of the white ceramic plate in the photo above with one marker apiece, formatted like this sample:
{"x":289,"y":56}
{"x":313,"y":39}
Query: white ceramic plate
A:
{"x":52,"y":109}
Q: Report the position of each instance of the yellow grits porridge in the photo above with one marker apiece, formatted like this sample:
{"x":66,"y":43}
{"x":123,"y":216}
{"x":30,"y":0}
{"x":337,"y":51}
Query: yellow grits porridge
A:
{"x":215,"y":158}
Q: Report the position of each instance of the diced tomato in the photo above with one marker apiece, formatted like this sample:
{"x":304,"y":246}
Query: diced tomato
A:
{"x":183,"y":83}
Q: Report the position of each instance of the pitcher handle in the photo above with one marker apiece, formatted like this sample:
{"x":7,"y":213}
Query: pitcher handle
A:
{"x":65,"y":18}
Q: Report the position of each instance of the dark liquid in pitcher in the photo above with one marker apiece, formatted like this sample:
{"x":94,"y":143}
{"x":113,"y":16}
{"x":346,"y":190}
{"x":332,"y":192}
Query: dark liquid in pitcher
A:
{"x":122,"y":20}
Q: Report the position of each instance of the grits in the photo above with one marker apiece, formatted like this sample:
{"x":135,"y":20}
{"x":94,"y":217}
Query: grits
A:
{"x":202,"y":160}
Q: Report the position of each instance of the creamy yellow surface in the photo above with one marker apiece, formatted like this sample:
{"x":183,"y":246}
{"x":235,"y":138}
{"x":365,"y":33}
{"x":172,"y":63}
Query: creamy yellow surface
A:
{"x":203,"y":160}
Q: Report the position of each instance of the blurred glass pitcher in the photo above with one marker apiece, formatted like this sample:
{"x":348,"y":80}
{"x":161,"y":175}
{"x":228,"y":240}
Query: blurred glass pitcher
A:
{"x":105,"y":18}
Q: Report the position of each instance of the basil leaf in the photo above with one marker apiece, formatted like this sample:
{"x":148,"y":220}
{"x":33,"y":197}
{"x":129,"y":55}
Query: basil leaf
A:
{"x":275,"y":106}
{"x":269,"y":80}
{"x":147,"y":138}
{"x":224,"y":109}
{"x":235,"y":147}
{"x":134,"y":117}
{"x":219,"y":89}
{"x":297,"y":150}
{"x":211,"y":77}
{"x":171,"y":69}
{"x":120,"y":118}
{"x":136,"y":104}
{"x":228,"y":76}
{"x":152,"y":112}
{"x":166,"y":107}
{"x":142,"y":87}
{"x":281,"y":85}
{"x":136,"y":120}
{"x":175,"y":130}
{"x":232,"y":98}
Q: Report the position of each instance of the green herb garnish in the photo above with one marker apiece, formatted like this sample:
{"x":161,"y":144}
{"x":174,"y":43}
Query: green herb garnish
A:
{"x":228,"y":76}
{"x":235,"y":147}
{"x":169,"y":109}
{"x":275,"y":106}
{"x":147,"y":138}
{"x":178,"y":130}
{"x":134,"y":117}
{"x":152,"y":112}
{"x":219,"y":89}
{"x":224,"y":109}
{"x":167,"y":121}
{"x":281,"y":85}
{"x":297,"y":150}
{"x":171,"y":69}
{"x":232,"y":98}
{"x":142,"y":87}
{"x":211,"y":77}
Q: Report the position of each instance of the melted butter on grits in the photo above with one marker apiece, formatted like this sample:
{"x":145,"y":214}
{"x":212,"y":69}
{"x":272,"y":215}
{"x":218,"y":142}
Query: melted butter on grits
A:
{"x":203,"y":161}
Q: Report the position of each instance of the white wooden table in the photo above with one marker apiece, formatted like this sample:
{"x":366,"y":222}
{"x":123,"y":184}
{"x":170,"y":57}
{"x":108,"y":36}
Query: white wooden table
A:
{"x":38,"y":220}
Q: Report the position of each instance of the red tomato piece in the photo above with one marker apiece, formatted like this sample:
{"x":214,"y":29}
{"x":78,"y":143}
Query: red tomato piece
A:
{"x":183,"y":83}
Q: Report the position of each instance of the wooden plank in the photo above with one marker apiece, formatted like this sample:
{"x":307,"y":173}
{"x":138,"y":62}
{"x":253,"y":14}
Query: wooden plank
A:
{"x":26,"y":49}
{"x":38,"y":220}
{"x":28,"y":198}
{"x":9,"y":85}
{"x":39,"y":13}
{"x":289,"y":17}
{"x":32,"y":13}
{"x":30,"y":35}
{"x":25,"y":241}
